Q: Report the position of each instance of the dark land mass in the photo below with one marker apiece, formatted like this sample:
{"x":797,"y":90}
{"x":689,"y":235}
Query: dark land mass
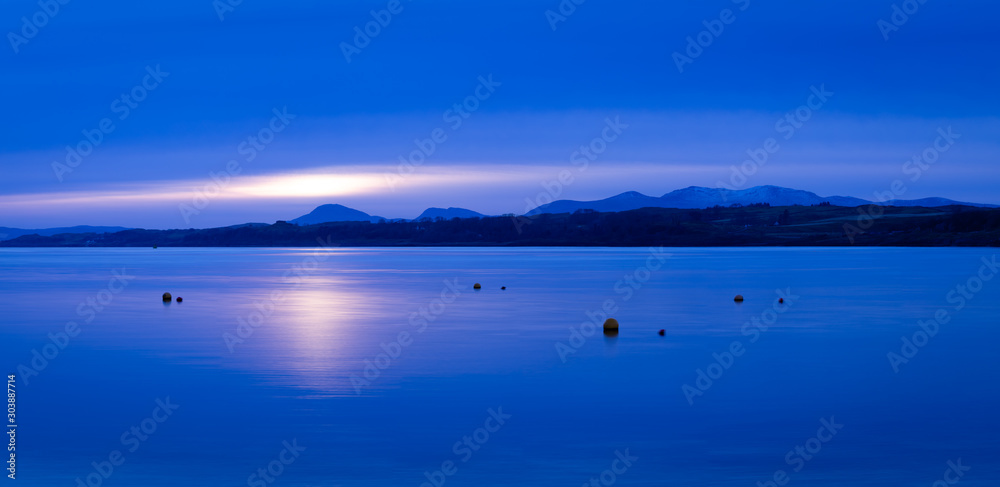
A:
{"x":755,"y":225}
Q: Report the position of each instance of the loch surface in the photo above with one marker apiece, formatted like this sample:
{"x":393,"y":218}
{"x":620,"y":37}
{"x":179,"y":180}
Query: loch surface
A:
{"x":357,"y":367}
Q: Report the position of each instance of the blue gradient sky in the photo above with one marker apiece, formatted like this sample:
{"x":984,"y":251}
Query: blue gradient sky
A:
{"x":353,"y":120}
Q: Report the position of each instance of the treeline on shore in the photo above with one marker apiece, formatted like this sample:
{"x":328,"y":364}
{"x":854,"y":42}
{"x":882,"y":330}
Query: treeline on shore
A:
{"x":822,"y":225}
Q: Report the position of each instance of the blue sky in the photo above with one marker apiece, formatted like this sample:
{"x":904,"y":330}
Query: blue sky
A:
{"x":553,"y":90}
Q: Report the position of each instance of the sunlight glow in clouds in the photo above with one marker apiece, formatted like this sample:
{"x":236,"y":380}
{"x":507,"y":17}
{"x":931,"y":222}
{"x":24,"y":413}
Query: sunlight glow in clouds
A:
{"x":303,"y":185}
{"x":364,"y":182}
{"x":278,"y":186}
{"x":491,"y":189}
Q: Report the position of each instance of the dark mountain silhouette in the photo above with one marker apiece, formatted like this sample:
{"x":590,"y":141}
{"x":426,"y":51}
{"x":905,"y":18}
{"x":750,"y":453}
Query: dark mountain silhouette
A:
{"x":701,"y":197}
{"x":7,"y":233}
{"x":448,"y":214}
{"x":757,"y":225}
{"x":334,"y":213}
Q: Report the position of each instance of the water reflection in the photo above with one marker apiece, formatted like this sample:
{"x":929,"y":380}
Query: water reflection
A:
{"x":308,"y":335}
{"x":298,"y":355}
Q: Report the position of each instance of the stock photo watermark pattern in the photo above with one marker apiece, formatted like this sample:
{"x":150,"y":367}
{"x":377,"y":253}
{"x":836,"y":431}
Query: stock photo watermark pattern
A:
{"x":249,"y":148}
{"x":32,"y":25}
{"x":626,"y":288}
{"x":419,"y":320}
{"x":363,"y":35}
{"x":915,"y":168}
{"x":289,"y":452}
{"x":565,"y":152}
{"x":454,"y":118}
{"x":123,"y":106}
{"x":132,"y":439}
{"x":959,"y":297}
{"x":263,"y":309}
{"x":786,"y":127}
{"x":11,"y":427}
{"x":752,"y":330}
{"x":714,"y":28}
{"x":580,"y":159}
{"x":900,"y":15}
{"x":87,"y":311}
{"x":467,"y":447}
{"x":798,"y":457}
{"x":609,"y":476}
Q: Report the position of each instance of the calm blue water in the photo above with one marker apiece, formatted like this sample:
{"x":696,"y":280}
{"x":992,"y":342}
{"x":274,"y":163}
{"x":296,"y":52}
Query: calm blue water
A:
{"x":323,"y":317}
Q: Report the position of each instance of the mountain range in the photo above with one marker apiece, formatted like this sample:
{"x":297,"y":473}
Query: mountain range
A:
{"x":448,"y":213}
{"x":341,"y":213}
{"x":693,"y":197}
{"x":334,"y":213}
{"x":7,"y":233}
{"x":725,"y":226}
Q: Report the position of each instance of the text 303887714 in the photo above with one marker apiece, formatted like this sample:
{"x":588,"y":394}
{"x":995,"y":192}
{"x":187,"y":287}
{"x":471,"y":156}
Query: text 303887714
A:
{"x":11,"y":427}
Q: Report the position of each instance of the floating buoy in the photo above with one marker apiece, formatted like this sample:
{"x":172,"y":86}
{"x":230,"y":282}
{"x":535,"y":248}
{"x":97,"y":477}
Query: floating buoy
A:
{"x":477,"y":286}
{"x":738,"y":298}
{"x":167,"y":297}
{"x":662,"y":332}
{"x":781,"y":300}
{"x":180,"y":299}
{"x":503,"y":288}
{"x":154,"y":246}
{"x":610,"y":324}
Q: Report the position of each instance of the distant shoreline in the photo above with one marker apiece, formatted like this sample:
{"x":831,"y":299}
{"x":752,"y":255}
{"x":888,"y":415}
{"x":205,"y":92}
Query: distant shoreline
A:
{"x":752,"y":226}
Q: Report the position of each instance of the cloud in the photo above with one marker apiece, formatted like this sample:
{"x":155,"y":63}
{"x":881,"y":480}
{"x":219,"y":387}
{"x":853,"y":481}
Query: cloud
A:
{"x":493,"y":165}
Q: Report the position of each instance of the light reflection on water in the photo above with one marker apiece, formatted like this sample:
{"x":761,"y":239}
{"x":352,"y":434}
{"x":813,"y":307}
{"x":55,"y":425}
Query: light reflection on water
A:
{"x":312,"y":367}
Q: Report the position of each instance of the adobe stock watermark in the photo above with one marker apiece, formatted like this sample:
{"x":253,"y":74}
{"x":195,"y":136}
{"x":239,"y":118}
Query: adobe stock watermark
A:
{"x":580,"y":159}
{"x":786,"y":126}
{"x":959,"y":296}
{"x":627,"y":286}
{"x":721,"y":362}
{"x":11,"y":424}
{"x":263,"y":310}
{"x":714,"y":28}
{"x":562,"y":12}
{"x":223,"y":7}
{"x":31,"y":26}
{"x":952,"y":474}
{"x":465,"y":448}
{"x":132,"y":438}
{"x":898,"y":17}
{"x":453,"y":118}
{"x":363,"y":35}
{"x":620,"y":465}
{"x":249,"y":148}
{"x":124,"y":105}
{"x":87,"y":311}
{"x":286,"y":456}
{"x":915,"y":168}
{"x":419,"y":320}
{"x":798,"y":457}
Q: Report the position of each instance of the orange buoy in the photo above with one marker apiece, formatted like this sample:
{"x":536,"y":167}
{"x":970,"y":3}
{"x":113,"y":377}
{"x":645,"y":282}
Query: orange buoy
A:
{"x":738,"y":298}
{"x":167,"y":297}
{"x":180,"y":299}
{"x":610,"y":324}
{"x":662,"y":332}
{"x":477,"y":286}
